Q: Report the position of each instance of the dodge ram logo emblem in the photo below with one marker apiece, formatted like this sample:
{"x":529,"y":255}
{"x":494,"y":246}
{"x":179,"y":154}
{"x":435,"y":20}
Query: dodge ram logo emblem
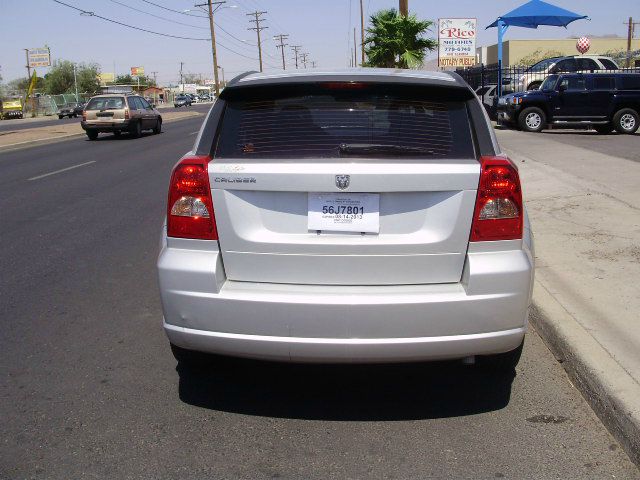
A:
{"x":342,"y":181}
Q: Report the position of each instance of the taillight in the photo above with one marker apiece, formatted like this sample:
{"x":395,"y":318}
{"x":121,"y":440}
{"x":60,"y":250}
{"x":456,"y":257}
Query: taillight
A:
{"x":498,"y":213}
{"x":84,"y":115}
{"x":190,"y":208}
{"x":126,"y":114}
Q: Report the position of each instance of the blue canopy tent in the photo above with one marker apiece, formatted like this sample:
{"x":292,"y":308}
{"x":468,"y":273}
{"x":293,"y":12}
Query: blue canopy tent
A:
{"x":531,"y":15}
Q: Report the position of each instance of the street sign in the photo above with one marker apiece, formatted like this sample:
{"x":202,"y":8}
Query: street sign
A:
{"x":137,"y":71}
{"x":457,"y":42}
{"x":39,"y":57}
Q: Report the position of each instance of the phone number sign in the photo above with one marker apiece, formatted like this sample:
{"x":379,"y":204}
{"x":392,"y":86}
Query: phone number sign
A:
{"x":457,"y":42}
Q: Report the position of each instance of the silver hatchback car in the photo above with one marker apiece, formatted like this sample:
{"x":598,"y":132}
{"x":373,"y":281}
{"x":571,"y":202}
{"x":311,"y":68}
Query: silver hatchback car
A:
{"x":365,"y":215}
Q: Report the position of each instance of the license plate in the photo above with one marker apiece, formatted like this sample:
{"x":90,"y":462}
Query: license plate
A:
{"x":344,"y":212}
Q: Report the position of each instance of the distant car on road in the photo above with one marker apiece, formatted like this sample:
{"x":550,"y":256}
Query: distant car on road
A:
{"x":604,"y":101}
{"x":348,"y":216}
{"x":182,"y":101}
{"x":533,"y":76}
{"x":70,"y":110}
{"x":115,"y":113}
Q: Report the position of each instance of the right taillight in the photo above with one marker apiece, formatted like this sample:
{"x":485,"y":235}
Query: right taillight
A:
{"x":126,"y":114}
{"x":190,"y":207}
{"x":84,"y":115}
{"x":498,"y":213}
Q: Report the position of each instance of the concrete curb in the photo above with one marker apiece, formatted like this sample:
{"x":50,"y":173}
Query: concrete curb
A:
{"x":62,"y":138}
{"x":612,"y":393}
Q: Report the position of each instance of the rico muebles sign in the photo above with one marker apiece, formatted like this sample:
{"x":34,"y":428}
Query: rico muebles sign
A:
{"x":39,"y":57}
{"x":457,"y":42}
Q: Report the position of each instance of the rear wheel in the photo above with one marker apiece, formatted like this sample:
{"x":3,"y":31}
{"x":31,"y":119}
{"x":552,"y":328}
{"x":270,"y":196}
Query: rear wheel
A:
{"x":603,"y":129}
{"x":626,"y":121}
{"x":532,"y":119}
{"x":92,"y":134}
{"x":503,"y":361}
{"x":116,"y":133}
{"x":136,"y":131}
{"x":190,"y":358}
{"x":158,"y":128}
{"x":60,"y":117}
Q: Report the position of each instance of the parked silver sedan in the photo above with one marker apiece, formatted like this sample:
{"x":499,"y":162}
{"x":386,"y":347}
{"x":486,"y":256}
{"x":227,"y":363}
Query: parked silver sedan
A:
{"x":346,"y":216}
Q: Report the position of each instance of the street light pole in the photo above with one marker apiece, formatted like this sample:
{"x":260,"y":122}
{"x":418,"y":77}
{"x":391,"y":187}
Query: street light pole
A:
{"x":75,"y":82}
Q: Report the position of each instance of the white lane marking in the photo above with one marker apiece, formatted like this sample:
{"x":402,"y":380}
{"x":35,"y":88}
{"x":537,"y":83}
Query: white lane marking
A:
{"x":193,"y":133}
{"x":61,"y":170}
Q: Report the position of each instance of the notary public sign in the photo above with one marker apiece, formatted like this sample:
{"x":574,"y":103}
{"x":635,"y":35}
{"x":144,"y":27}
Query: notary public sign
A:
{"x":39,"y":57}
{"x":457,"y":42}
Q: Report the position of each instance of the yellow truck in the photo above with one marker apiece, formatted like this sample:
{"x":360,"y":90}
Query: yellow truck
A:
{"x":11,"y":108}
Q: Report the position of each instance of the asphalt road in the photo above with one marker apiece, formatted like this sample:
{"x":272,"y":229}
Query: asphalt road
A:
{"x":13,"y":125}
{"x":90,"y":390}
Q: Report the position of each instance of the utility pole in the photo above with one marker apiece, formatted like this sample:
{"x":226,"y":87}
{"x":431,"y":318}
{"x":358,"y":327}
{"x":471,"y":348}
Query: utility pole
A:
{"x":26,"y":52}
{"x":282,"y":38}
{"x":181,"y":84}
{"x":355,"y":49}
{"x":313,"y":64}
{"x":295,"y":49}
{"x":210,"y":5}
{"x":362,"y":32}
{"x":75,"y":81}
{"x":304,"y":58}
{"x":257,"y":28}
{"x":155,"y":81}
{"x":629,"y":38}
{"x":404,"y":8}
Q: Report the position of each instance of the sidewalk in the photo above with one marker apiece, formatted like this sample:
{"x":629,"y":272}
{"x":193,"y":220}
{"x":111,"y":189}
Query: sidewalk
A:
{"x":584,"y":208}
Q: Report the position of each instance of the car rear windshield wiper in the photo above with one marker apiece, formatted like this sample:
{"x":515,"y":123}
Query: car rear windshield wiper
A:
{"x":356,"y":148}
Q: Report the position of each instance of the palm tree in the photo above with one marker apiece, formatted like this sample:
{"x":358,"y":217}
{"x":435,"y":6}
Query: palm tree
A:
{"x":395,"y":41}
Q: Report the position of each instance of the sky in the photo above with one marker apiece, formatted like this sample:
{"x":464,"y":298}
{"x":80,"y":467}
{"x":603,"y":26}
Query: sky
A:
{"x":324,"y":28}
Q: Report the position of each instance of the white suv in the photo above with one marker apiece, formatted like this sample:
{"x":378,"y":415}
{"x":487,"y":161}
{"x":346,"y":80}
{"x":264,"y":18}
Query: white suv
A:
{"x":533,"y":76}
{"x":346,"y":216}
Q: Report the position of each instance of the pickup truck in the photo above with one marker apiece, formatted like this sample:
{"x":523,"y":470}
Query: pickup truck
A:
{"x":602,"y":101}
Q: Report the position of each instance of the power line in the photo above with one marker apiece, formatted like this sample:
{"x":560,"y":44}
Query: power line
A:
{"x":158,"y":16}
{"x":92,"y":14}
{"x":171,"y":10}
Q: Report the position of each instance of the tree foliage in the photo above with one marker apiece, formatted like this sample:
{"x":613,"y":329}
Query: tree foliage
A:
{"x":129,"y":80}
{"x":60,"y":78}
{"x":396,"y":41}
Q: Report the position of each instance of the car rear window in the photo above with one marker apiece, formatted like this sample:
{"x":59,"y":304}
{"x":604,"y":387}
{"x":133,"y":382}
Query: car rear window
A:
{"x":105,"y":103}
{"x":327,"y":120}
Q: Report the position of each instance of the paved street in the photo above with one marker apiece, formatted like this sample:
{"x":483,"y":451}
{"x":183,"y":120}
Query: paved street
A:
{"x":90,"y":390}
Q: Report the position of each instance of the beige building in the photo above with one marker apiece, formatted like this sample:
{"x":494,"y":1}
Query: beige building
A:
{"x":514,"y":50}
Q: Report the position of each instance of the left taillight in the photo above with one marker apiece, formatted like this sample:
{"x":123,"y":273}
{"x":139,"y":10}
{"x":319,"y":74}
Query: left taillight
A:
{"x":190,"y":207}
{"x":84,"y":115}
{"x":498,"y":212}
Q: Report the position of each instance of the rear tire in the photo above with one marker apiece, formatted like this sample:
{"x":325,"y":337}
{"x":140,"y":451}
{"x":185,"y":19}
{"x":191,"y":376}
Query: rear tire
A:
{"x":626,"y":121}
{"x":92,"y":134}
{"x":158,"y":128}
{"x":136,"y":132}
{"x":506,"y":361}
{"x":603,"y":129}
{"x":532,"y":119}
{"x":190,"y":358}
{"x":116,"y":133}
{"x":60,"y":117}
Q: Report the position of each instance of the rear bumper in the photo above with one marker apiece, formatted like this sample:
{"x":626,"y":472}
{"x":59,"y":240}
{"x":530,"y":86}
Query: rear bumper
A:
{"x":107,"y":126}
{"x":485,"y":313}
